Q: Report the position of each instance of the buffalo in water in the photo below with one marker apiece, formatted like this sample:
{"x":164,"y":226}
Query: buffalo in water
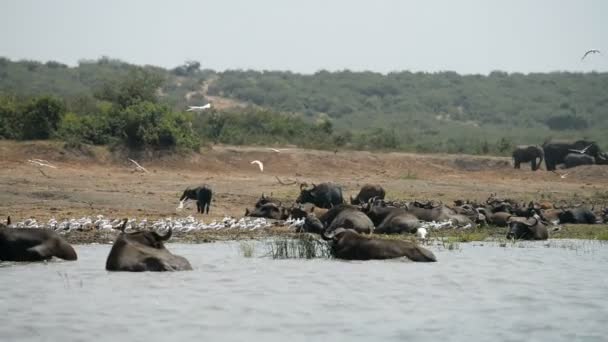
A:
{"x":367,"y":192}
{"x":342,"y":216}
{"x":202,"y":194}
{"x":33,"y":244}
{"x":143,"y":251}
{"x":527,"y":229}
{"x":350,"y":245}
{"x":324,"y":195}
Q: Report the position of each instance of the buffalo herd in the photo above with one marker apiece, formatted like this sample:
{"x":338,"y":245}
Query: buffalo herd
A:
{"x":351,"y":229}
{"x":567,"y":153}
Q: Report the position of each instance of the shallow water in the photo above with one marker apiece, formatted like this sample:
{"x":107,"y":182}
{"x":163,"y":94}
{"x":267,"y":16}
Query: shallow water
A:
{"x":542,"y":291}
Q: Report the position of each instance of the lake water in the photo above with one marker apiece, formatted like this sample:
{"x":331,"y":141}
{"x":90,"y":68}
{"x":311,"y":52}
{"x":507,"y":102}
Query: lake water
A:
{"x":541,"y":291}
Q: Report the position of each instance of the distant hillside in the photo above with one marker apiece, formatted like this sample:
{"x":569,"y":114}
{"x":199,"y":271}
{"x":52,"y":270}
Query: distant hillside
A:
{"x":417,"y":111}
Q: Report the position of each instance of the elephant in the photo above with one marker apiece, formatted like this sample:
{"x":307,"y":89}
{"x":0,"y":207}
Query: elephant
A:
{"x":349,"y":245}
{"x":528,"y":154}
{"x":556,"y":151}
{"x":342,"y":216}
{"x":33,"y":244}
{"x":578,"y":159}
{"x":143,"y":251}
{"x":527,"y":229}
{"x":202,"y":194}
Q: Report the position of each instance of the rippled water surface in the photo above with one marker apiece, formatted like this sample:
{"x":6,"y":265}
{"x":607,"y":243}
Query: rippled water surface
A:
{"x":545,"y":291}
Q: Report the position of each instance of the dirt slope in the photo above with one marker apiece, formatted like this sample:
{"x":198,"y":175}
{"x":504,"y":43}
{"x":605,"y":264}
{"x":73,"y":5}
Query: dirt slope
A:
{"x":95,"y":181}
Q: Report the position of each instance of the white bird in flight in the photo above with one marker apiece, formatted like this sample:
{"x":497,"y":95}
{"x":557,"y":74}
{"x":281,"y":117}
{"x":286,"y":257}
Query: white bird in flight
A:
{"x":580,"y":151}
{"x":590,"y":51}
{"x":259,"y":164}
{"x":198,"y":108}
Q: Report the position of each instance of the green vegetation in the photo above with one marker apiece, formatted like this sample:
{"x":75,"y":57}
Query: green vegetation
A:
{"x":107,"y":101}
{"x":303,"y":246}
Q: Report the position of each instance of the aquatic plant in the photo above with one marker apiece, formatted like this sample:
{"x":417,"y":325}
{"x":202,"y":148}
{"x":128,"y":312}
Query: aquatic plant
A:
{"x":247,"y":248}
{"x":302,"y":247}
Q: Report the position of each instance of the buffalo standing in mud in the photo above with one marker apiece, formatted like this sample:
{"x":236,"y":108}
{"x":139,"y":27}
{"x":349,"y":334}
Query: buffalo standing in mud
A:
{"x":324,"y":195}
{"x":143,"y":251}
{"x":349,"y":245}
{"x":367,"y":192}
{"x":202,"y":194}
{"x":33,"y":244}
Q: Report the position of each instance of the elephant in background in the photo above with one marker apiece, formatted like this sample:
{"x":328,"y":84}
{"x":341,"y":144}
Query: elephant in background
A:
{"x":528,"y":154}
{"x":556,"y":151}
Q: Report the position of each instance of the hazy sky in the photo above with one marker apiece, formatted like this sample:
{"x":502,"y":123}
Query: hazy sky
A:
{"x":472,"y":36}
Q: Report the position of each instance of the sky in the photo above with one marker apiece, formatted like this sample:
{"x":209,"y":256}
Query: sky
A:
{"x":305,"y":36}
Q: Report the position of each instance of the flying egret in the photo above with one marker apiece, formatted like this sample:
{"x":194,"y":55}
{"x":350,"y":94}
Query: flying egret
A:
{"x":198,"y":108}
{"x":580,"y":151}
{"x":589,"y":52}
{"x":259,"y":164}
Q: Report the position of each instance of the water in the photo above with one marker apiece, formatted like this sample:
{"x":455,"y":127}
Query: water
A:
{"x":526,"y":292}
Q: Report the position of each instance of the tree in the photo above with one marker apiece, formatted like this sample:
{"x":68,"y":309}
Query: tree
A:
{"x":41,"y":118}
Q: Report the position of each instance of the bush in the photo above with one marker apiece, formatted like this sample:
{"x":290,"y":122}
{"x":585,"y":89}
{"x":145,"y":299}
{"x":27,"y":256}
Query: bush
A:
{"x":565,"y":122}
{"x":41,"y":117}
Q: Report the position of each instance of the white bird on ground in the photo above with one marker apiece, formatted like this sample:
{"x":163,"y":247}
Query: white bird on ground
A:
{"x":259,"y":164}
{"x":198,"y":108}
{"x":589,"y":52}
{"x":421,"y":233}
{"x":561,"y":175}
{"x":275,"y":150}
{"x":580,"y":151}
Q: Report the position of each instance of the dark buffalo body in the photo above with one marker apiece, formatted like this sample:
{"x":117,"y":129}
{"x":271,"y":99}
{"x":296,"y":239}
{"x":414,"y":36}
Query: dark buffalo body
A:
{"x":527,"y":229}
{"x":144,"y":251}
{"x":577,"y":215}
{"x":350,"y":245}
{"x":202,"y":194}
{"x":324,"y":195}
{"x":367,"y":192}
{"x":32,"y":244}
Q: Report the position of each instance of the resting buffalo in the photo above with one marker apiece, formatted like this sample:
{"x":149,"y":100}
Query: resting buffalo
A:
{"x":202,"y":194}
{"x":268,"y":210}
{"x":577,"y":159}
{"x":324,"y":195}
{"x":350,"y":245}
{"x":556,"y":151}
{"x":527,"y":229}
{"x":367,"y":192}
{"x":143,"y":251}
{"x":437,"y":212}
{"x":391,"y":220}
{"x":342,"y":216}
{"x":577,"y":215}
{"x":33,"y":244}
{"x":528,"y":154}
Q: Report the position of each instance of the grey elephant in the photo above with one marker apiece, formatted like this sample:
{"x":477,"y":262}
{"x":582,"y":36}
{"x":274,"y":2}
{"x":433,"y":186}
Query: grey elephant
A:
{"x":528,"y":154}
{"x":556,"y":151}
{"x":578,"y":159}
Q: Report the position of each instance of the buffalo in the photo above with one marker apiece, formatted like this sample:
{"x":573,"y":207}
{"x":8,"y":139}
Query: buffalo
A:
{"x":527,"y":229}
{"x":390,"y":220}
{"x":577,"y":215}
{"x":268,"y":210}
{"x":324,"y":195}
{"x":367,"y":192}
{"x":202,"y":194}
{"x":143,"y":251}
{"x":342,"y":216}
{"x":577,"y":159}
{"x":33,"y":244}
{"x":349,"y":245}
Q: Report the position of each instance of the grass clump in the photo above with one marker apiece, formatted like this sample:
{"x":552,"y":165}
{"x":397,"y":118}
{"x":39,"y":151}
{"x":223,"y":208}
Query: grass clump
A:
{"x":247,"y":248}
{"x":304,"y":247}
